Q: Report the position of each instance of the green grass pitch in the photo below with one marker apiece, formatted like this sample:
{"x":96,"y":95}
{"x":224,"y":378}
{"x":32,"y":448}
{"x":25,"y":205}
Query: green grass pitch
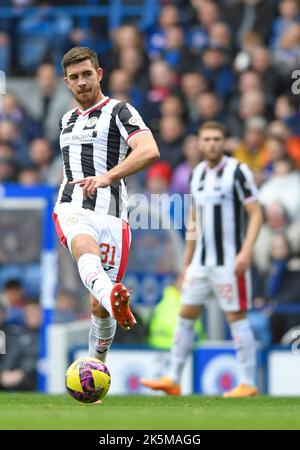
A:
{"x":35,"y":411}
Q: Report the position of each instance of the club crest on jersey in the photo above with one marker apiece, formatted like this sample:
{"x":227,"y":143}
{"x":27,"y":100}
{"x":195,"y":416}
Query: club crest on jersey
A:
{"x":133,"y":120}
{"x":71,"y":220}
{"x":91,"y":122}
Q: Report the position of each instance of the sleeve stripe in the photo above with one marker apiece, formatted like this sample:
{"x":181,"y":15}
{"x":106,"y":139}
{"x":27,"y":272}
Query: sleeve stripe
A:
{"x":250,"y":199}
{"x":142,"y":130}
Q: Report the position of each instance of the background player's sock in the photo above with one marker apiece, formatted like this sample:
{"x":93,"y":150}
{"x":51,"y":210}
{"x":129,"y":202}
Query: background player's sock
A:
{"x":245,"y":350}
{"x":95,"y":279}
{"x":101,"y":335}
{"x":182,"y":346}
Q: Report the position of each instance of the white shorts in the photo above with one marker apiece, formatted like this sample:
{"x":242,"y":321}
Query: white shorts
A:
{"x":111,"y":233}
{"x":202,"y":284}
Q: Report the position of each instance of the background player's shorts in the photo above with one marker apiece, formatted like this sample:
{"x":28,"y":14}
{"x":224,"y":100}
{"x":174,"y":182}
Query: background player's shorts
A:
{"x":111,"y":233}
{"x":202,"y":284}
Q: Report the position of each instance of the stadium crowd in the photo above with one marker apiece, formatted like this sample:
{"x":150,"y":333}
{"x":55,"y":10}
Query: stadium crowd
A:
{"x":231,"y":61}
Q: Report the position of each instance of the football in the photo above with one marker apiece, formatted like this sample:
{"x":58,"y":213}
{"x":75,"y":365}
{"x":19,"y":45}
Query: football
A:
{"x":87,"y":380}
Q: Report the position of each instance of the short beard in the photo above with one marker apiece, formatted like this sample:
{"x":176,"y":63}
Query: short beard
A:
{"x":87,"y":101}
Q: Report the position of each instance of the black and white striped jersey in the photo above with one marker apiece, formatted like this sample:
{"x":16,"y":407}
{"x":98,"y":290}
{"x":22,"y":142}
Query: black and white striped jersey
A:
{"x":93,"y":142}
{"x":219,"y":195}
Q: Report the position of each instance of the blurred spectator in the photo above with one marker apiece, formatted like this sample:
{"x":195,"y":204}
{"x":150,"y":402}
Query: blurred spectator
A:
{"x":182,"y":173}
{"x":172,"y":106}
{"x":216,"y":70}
{"x":252,"y":103}
{"x":66,"y":307}
{"x":170,"y":140}
{"x":275,"y":150}
{"x":251,"y":16}
{"x":120,"y":87}
{"x":162,"y":81}
{"x":209,"y":107}
{"x":289,"y":14}
{"x":13,"y":299}
{"x":29,"y":176}
{"x":123,"y":37}
{"x":19,"y":368}
{"x":135,"y":64}
{"x":50,"y":168}
{"x":158,"y":178}
{"x":287,"y":53}
{"x":207,"y":14}
{"x":276,"y":221}
{"x":282,"y":286}
{"x":13,"y":111}
{"x":156,"y":39}
{"x":249,"y":81}
{"x":7,"y":169}
{"x":192,"y":85}
{"x":49,"y":101}
{"x":175,"y":53}
{"x":163,"y":320}
{"x":36,"y":32}
{"x":7,"y":162}
{"x":252,"y":150}
{"x":283,"y":187}
{"x":278,"y":129}
{"x":286,"y":110}
{"x":11,"y":134}
{"x":220,"y":36}
{"x":261,"y":63}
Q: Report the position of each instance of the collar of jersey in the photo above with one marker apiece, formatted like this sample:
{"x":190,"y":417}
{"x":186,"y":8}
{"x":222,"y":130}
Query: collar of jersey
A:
{"x":221,"y":164}
{"x":92,"y":108}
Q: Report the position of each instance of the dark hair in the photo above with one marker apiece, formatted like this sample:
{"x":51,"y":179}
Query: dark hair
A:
{"x":77,"y":55}
{"x":13,"y":284}
{"x":213,"y":125}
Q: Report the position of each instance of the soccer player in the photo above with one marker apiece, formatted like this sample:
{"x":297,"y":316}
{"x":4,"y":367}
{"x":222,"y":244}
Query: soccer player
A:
{"x":102,"y":141}
{"x":217,"y":258}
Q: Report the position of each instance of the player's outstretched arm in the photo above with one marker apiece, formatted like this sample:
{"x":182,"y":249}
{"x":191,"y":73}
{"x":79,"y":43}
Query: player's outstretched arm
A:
{"x":144,"y":152}
{"x":255,"y":219}
{"x":190,"y":245}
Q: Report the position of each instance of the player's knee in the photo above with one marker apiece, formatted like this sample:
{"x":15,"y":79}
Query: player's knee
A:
{"x":235,"y":316}
{"x":190,"y":312}
{"x":96,"y":309}
{"x":82,"y":244}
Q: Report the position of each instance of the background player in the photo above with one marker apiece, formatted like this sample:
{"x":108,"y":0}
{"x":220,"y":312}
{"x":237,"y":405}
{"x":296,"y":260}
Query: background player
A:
{"x":102,"y":142}
{"x":217,"y":258}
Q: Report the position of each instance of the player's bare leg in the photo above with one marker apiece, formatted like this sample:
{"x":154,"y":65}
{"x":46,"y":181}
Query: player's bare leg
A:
{"x":182,"y":347}
{"x":245,"y":352}
{"x":85,"y":250}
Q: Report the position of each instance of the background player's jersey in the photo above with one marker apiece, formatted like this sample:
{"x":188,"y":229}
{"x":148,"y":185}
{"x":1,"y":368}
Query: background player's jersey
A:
{"x":93,"y":142}
{"x":219,"y":195}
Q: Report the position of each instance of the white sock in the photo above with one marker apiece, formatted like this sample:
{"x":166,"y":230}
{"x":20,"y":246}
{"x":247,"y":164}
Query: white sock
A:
{"x":245,"y":350}
{"x":101,"y":335}
{"x":95,"y":279}
{"x":182,"y":346}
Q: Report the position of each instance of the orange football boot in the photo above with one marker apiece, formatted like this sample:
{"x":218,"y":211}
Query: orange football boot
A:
{"x":242,"y":390}
{"x":120,"y":299}
{"x":162,"y":384}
